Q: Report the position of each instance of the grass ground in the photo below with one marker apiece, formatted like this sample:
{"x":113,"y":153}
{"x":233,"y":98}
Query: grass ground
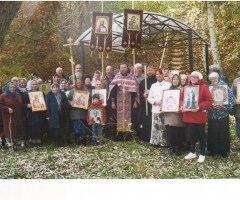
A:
{"x":115,"y":160}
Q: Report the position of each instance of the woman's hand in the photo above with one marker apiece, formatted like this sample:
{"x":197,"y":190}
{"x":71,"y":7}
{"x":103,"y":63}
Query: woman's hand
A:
{"x":196,"y":110}
{"x":158,"y":103}
{"x":217,"y":107}
{"x":29,"y":106}
{"x":48,"y":118}
{"x":10,"y":110}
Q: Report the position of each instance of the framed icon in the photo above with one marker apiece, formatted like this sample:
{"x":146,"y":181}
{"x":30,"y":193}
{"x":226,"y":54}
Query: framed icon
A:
{"x":170,"y":101}
{"x":103,"y":95}
{"x":219,"y":94}
{"x":133,"y":22}
{"x":101,"y":26}
{"x":95,"y":115}
{"x":80,"y":99}
{"x":37,"y":101}
{"x":190,"y":101}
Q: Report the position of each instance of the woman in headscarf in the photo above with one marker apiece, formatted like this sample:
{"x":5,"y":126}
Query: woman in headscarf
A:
{"x":173,"y":122}
{"x":196,"y":118}
{"x":22,"y":85}
{"x":11,"y":108}
{"x":158,"y":131}
{"x":35,"y":120}
{"x":78,"y":116}
{"x":57,"y":114}
{"x":218,"y":139}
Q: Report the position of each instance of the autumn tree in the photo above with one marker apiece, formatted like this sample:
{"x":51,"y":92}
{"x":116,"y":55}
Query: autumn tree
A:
{"x":8,"y":10}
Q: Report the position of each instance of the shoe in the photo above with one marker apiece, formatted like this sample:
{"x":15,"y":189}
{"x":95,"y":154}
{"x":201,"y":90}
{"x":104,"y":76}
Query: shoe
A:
{"x":201,"y":159}
{"x":190,"y":156}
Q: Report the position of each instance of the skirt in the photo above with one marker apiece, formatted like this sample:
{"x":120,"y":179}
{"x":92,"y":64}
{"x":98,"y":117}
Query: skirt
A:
{"x":218,"y":138}
{"x":158,"y":132}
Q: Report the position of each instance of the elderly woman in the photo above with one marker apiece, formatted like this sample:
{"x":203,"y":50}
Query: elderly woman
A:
{"x":158,"y":131}
{"x":35,"y":121}
{"x":57,"y":114}
{"x":78,"y":116}
{"x":173,"y":122}
{"x":11,"y":108}
{"x":218,"y":140}
{"x":196,"y":119}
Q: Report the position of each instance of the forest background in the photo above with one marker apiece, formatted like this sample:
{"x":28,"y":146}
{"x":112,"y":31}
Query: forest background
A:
{"x":34,"y":40}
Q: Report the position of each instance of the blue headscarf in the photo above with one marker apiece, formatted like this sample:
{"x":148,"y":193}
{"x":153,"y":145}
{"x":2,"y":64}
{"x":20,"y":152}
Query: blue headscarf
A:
{"x":57,"y":95}
{"x":14,"y":94}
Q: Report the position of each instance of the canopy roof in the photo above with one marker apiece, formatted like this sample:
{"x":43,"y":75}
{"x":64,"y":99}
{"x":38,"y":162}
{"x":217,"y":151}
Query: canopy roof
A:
{"x":155,"y":29}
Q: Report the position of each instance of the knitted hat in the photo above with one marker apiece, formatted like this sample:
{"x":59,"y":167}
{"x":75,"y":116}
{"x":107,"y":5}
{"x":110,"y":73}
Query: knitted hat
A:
{"x":200,"y":76}
{"x":96,"y":96}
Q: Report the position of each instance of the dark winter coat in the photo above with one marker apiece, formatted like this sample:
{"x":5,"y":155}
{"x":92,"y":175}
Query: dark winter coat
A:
{"x":58,"y":118}
{"x":32,"y":117}
{"x":6,"y":102}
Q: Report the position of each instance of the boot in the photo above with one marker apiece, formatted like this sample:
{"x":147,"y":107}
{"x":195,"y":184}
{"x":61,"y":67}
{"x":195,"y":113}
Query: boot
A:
{"x":56,"y":144}
{"x":178,"y":152}
{"x":172,"y":150}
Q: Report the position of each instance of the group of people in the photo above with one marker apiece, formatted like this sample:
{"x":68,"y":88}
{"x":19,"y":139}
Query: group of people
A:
{"x":131,"y":106}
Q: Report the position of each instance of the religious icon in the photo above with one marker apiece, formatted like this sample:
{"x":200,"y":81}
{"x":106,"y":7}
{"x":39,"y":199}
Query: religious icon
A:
{"x":37,"y":101}
{"x":80,"y":99}
{"x":101,"y":26}
{"x":170,"y":102}
{"x":102,"y":94}
{"x":219,"y":94}
{"x":190,"y":101}
{"x":95,"y":115}
{"x":44,"y":87}
{"x":133,"y":21}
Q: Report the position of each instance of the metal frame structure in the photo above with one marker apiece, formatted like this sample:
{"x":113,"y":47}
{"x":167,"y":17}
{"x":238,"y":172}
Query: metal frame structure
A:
{"x":155,"y":29}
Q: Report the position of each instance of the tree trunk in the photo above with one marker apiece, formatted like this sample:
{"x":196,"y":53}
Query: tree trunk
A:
{"x":204,"y":36}
{"x":8,"y":10}
{"x":213,"y":37}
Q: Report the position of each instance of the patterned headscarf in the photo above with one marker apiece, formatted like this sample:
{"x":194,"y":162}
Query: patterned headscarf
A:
{"x":179,"y":84}
{"x":12,"y":94}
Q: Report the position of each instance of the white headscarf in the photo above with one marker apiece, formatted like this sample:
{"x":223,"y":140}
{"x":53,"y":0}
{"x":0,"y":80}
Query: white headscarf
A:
{"x":200,"y":76}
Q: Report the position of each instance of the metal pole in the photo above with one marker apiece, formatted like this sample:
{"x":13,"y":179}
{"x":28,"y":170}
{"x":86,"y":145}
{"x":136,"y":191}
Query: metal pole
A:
{"x":190,"y":45}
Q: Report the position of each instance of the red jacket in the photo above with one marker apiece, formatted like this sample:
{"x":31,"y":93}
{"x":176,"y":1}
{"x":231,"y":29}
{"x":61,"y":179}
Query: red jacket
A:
{"x":97,"y":105}
{"x":204,"y":102}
